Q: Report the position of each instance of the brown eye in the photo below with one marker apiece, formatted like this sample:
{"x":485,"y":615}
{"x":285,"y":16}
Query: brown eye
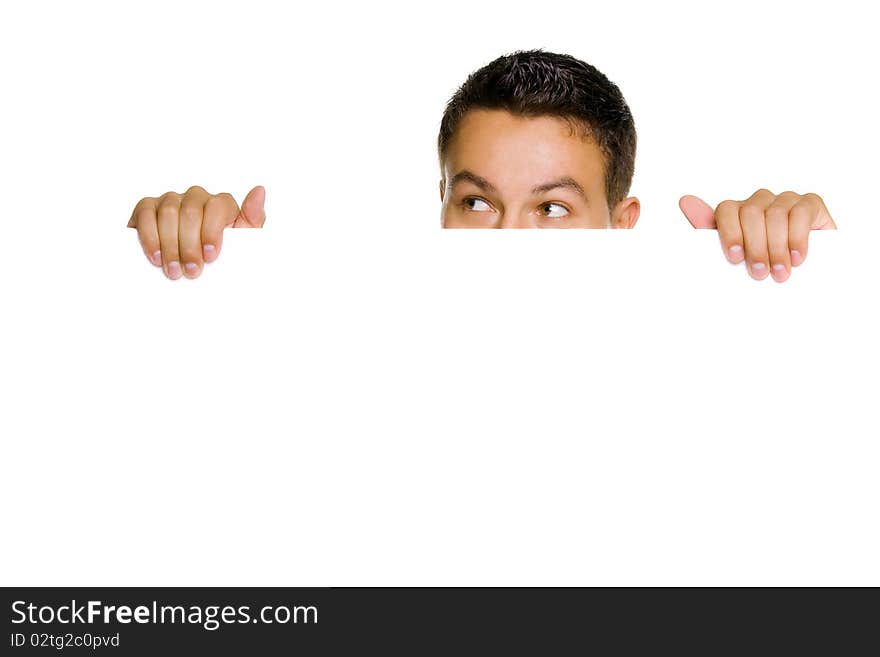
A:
{"x":554,"y":210}
{"x":477,"y":205}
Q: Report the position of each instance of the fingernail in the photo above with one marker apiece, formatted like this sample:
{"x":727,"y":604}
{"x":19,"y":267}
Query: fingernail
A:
{"x":779,"y":273}
{"x":191,"y":268}
{"x":796,"y":258}
{"x":758,"y":268}
{"x":156,"y":258}
{"x":735,"y":253}
{"x":208,"y":251}
{"x":174,"y":270}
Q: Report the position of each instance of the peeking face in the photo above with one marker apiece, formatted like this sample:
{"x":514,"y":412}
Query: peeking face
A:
{"x":502,"y":170}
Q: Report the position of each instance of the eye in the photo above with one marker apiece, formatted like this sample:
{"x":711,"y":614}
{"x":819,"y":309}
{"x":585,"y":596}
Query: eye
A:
{"x":554,"y":210}
{"x":477,"y":205}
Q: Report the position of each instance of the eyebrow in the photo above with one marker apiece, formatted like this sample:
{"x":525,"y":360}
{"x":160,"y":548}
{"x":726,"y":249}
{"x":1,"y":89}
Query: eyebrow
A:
{"x":469,"y":176}
{"x":485,"y":185}
{"x":566,"y":182}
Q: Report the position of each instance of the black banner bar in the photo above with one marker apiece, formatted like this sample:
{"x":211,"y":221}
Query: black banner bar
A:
{"x":458,"y":621}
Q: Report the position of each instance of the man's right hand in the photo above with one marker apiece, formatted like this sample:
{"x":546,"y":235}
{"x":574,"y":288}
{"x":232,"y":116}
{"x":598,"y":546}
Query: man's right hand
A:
{"x":182,"y":232}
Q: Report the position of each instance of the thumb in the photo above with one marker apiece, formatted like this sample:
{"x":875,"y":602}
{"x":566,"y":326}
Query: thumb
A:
{"x":697,"y":211}
{"x":823,"y":221}
{"x":252,"y":214}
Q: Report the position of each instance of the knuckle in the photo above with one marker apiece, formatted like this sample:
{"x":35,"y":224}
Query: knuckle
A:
{"x":814,"y":199}
{"x":190,"y":213}
{"x":220,"y":203}
{"x":776,"y":215}
{"x":799,"y":219}
{"x":727,"y":206}
{"x":751,"y":211}
{"x":216,"y":201}
{"x":803,"y":209}
{"x":167,"y":211}
{"x":142,"y":211}
{"x":195,"y":188}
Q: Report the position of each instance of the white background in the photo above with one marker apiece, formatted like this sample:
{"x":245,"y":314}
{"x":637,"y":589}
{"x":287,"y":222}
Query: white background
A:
{"x":352,"y":396}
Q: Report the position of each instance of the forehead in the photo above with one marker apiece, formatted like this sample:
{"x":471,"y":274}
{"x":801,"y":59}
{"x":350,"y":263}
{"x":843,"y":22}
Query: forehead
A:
{"x":518,"y":152}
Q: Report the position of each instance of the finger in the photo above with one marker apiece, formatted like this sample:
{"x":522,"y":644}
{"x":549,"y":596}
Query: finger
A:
{"x":189,"y":235}
{"x":168,"y":219}
{"x":253,"y":214}
{"x":753,"y":225}
{"x":697,"y":211}
{"x":801,"y":217}
{"x":144,"y":219}
{"x":776,"y":216}
{"x":729,"y":230}
{"x":220,"y":212}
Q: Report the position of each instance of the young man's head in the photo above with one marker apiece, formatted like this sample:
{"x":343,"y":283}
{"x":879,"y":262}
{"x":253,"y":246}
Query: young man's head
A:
{"x":537,"y":140}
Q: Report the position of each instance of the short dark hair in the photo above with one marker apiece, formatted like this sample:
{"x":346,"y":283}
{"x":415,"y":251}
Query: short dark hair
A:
{"x":537,"y":83}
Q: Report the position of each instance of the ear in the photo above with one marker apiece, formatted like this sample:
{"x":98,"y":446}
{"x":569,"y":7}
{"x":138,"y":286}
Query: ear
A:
{"x":626,"y":213}
{"x":442,"y":189}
